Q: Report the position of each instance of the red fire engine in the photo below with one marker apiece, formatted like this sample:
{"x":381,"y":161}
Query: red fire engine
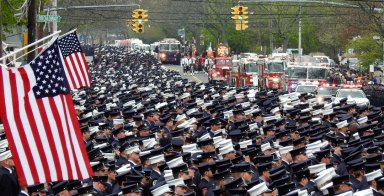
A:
{"x":275,"y":72}
{"x":218,"y":71}
{"x":246,"y":72}
{"x":306,"y":71}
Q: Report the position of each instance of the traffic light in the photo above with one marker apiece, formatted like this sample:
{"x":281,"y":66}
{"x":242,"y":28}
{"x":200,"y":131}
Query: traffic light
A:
{"x":139,"y":17}
{"x":137,"y":27}
{"x":240,"y":15}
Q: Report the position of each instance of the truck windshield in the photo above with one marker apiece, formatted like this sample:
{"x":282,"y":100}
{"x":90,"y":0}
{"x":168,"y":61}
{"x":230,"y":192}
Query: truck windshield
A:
{"x":251,"y":67}
{"x":275,"y":67}
{"x":297,"y":72}
{"x":174,"y":47}
{"x":317,"y":73}
{"x":164,"y":47}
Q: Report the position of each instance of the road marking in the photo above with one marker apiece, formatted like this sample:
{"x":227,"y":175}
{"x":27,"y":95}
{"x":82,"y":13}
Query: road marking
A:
{"x":197,"y":79}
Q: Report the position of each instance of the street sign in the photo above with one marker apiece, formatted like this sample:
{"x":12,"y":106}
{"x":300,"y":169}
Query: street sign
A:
{"x":47,"y":18}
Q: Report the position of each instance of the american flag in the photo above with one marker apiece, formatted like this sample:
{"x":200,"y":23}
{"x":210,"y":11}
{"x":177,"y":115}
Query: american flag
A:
{"x":40,"y":121}
{"x":76,"y":67}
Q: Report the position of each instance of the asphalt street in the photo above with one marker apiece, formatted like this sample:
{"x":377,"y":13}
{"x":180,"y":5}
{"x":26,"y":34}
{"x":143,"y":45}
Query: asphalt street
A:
{"x":198,"y":77}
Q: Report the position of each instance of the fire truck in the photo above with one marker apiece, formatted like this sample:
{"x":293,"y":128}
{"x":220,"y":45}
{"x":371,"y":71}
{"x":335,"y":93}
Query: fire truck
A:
{"x":219,"y":70}
{"x":275,"y":73}
{"x":306,"y":72}
{"x":170,"y":51}
{"x":243,"y":72}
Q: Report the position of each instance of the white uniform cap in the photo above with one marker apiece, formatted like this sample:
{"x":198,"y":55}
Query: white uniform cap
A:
{"x":239,"y":96}
{"x":161,"y":190}
{"x":217,"y":140}
{"x":168,"y":176}
{"x":253,"y":126}
{"x":356,"y":136}
{"x":299,"y":192}
{"x":288,"y":107}
{"x":118,"y":121}
{"x":180,"y":117}
{"x":149,"y":143}
{"x":324,"y":189}
{"x":268,"y":118}
{"x":258,"y":189}
{"x":226,"y":149}
{"x":5,"y":155}
{"x":160,"y":105}
{"x":349,"y":101}
{"x":129,"y":103}
{"x":342,"y":124}
{"x":331,"y":171}
{"x":124,"y":170}
{"x":365,"y":192}
{"x":88,"y":115}
{"x":314,"y":169}
{"x":225,"y":142}
{"x":323,"y":179}
{"x":228,"y":114}
{"x":328,"y":111}
{"x":316,"y":112}
{"x":266,"y":146}
{"x":109,"y":156}
{"x":274,"y":110}
{"x":175,"y":162}
{"x":218,"y":131}
{"x":362,"y":120}
{"x":205,"y":137}
{"x":327,"y":106}
{"x":177,"y":182}
{"x":93,"y":129}
{"x":193,"y":110}
{"x":245,"y":143}
{"x":185,"y":95}
{"x":156,"y":159}
{"x":189,"y":147}
{"x":285,"y":150}
{"x":134,"y":149}
{"x":4,"y":143}
{"x":375,"y":174}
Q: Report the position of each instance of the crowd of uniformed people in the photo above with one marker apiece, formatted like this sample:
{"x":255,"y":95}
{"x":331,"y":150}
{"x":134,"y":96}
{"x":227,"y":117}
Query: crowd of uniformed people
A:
{"x":148,"y":131}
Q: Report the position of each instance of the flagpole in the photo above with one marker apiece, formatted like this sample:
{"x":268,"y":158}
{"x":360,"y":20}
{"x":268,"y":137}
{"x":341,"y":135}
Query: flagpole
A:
{"x":29,"y":45}
{"x":67,"y":33}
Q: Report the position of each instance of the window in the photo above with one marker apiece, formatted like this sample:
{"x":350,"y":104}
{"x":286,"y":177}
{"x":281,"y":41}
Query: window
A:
{"x":275,"y":67}
{"x":317,"y":73}
{"x":164,"y":47}
{"x":174,"y":47}
{"x":297,"y":72}
{"x":251,"y":67}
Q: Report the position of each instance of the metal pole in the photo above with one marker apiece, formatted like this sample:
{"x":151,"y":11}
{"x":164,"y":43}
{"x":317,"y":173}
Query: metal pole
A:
{"x":54,"y":13}
{"x":270,"y":29}
{"x":31,"y":27}
{"x":300,"y":52}
{"x":29,"y":45}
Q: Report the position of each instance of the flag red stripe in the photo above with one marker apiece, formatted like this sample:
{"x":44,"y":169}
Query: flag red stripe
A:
{"x":83,"y":77}
{"x":23,"y":137}
{"x":34,"y":129}
{"x":60,"y":130}
{"x":7,"y":128}
{"x":86,"y":69}
{"x":75,"y":70}
{"x":69,"y":135}
{"x":79,"y":136}
{"x":73,"y":83}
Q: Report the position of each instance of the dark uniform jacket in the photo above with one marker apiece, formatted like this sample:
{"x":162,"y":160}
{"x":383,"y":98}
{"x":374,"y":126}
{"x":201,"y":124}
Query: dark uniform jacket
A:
{"x":9,"y":184}
{"x":209,"y":185}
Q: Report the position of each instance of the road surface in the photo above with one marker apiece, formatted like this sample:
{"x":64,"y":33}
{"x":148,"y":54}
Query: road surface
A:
{"x":198,"y":77}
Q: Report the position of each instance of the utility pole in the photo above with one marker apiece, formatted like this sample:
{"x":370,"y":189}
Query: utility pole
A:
{"x":31,"y":28}
{"x":300,"y":51}
{"x":54,"y":13}
{"x":270,"y":28}
{"x":1,"y":32}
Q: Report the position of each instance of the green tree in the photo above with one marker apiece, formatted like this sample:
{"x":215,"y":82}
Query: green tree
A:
{"x":367,"y":50}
